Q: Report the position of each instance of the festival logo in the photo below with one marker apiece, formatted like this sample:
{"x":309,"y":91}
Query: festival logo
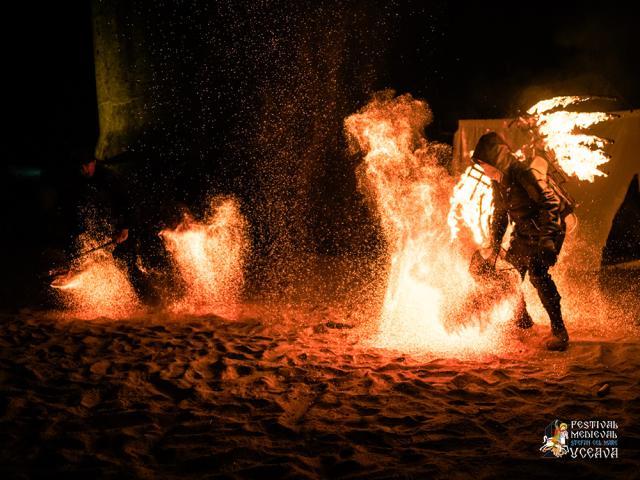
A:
{"x":555,"y":440}
{"x":589,"y":439}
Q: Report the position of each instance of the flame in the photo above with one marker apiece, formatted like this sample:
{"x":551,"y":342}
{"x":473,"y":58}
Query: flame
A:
{"x":210,"y":258}
{"x":96,"y":286}
{"x":428,"y":279}
{"x":555,"y":102}
{"x":472,"y":205}
{"x":578,"y":154}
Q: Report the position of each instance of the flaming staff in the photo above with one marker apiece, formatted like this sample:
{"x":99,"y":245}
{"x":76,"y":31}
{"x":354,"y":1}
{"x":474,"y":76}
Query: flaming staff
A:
{"x":578,"y":154}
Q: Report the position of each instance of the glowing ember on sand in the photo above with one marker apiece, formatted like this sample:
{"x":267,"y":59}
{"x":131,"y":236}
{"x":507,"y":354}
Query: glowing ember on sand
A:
{"x":428,"y":283}
{"x":96,"y":286}
{"x":210,"y":257}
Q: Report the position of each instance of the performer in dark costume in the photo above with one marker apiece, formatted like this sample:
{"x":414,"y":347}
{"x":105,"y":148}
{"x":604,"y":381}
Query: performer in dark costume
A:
{"x":523,"y":195}
{"x":96,"y":199}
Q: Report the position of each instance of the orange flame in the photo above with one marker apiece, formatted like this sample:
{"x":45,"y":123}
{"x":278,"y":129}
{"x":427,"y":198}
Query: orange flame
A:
{"x":555,"y":102}
{"x":428,"y":279}
{"x":472,"y":205}
{"x":578,"y":154}
{"x":210,"y":257}
{"x":97,"y":286}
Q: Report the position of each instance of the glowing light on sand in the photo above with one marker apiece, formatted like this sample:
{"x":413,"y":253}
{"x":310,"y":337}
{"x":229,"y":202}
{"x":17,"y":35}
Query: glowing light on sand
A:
{"x":428,"y":279}
{"x":96,"y":286}
{"x":210,"y":257}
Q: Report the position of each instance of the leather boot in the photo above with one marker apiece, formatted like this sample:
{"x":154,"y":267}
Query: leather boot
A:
{"x":560,"y":339}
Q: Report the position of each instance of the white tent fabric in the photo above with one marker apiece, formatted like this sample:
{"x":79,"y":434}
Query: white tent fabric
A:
{"x":598,"y":201}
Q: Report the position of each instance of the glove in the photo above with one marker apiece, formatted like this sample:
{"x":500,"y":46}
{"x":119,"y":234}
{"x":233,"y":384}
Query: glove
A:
{"x":548,"y":253}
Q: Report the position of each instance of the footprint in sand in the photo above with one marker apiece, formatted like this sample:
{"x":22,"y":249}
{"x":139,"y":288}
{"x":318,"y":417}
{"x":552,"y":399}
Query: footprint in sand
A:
{"x":100,"y":368}
{"x":90,"y":398}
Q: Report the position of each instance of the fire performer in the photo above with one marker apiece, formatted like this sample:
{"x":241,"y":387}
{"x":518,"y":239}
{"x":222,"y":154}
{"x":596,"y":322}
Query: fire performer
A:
{"x":100,"y":192}
{"x":97,"y":200}
{"x":523,"y":195}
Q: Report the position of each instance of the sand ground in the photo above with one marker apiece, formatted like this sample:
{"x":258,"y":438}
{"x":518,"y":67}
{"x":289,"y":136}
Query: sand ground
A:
{"x":277,"y":396}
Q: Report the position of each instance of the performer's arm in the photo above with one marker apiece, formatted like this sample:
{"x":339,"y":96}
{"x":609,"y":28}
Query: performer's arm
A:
{"x":534,"y":181}
{"x":499,"y":220}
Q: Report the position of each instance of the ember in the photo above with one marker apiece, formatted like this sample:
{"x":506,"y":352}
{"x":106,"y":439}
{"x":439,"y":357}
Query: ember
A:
{"x":428,"y":281}
{"x":210,"y":257}
{"x":96,"y":286}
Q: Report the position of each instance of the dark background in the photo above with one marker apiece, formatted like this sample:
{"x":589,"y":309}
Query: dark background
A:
{"x":249,"y":97}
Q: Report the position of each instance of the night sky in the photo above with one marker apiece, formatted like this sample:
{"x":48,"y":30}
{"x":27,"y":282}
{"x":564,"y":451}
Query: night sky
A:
{"x":468,"y":59}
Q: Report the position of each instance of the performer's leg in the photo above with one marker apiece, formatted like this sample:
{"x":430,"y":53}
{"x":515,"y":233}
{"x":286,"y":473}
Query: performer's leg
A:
{"x":550,"y":298}
{"x":126,"y":253}
{"x":517,"y":255}
{"x":522,"y":317}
